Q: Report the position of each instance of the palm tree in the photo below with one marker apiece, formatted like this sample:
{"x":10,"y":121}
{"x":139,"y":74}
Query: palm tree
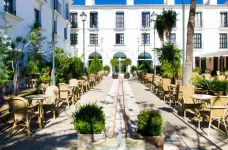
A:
{"x":189,"y":47}
{"x":170,"y":59}
{"x":164,"y":24}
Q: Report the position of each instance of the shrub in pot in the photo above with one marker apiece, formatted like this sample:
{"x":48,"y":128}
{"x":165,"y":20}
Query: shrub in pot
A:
{"x":89,"y":122}
{"x":106,"y":69}
{"x":126,"y":75}
{"x":150,"y":127}
{"x":115,"y":76}
{"x":133,"y":70}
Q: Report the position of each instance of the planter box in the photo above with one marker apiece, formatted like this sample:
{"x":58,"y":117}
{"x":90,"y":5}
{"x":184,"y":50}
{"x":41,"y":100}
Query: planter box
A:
{"x":89,"y":138}
{"x":126,"y":76}
{"x":115,"y":76}
{"x":158,"y":141}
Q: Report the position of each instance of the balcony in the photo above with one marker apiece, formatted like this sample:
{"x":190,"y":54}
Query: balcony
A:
{"x":92,"y":26}
{"x":10,"y":15}
{"x":57,"y":7}
{"x":42,"y":2}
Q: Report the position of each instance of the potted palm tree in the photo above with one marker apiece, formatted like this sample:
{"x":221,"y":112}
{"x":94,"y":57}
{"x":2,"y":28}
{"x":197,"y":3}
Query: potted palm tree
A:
{"x":150,"y":128}
{"x":89,"y":122}
{"x":106,"y":69}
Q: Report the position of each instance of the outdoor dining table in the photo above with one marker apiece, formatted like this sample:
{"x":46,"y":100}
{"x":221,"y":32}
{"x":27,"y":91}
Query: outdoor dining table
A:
{"x":40,"y":98}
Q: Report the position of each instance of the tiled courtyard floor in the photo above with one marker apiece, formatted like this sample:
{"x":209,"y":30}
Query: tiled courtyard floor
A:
{"x":60,"y":134}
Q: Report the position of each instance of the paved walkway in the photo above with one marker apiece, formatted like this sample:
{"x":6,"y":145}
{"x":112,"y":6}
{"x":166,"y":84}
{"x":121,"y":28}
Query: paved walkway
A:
{"x":60,"y":134}
{"x":179,"y":134}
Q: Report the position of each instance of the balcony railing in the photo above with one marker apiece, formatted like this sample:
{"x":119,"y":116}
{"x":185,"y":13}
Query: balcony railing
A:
{"x":9,"y":9}
{"x":57,"y":6}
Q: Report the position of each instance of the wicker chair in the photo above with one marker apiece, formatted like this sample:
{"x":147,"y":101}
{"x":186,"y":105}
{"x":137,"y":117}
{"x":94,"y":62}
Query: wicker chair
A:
{"x":76,"y":89}
{"x":52,"y":102}
{"x":164,"y":88}
{"x":216,"y":111}
{"x":22,"y":115}
{"x":64,"y":93}
{"x":187,"y":101}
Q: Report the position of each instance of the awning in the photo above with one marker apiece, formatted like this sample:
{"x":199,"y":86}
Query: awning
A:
{"x":214,"y":54}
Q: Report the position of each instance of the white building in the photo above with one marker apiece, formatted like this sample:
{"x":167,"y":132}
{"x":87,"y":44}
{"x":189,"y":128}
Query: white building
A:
{"x":121,"y":25}
{"x":22,"y":13}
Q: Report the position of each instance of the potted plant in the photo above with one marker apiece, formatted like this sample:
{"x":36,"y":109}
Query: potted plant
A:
{"x":126,"y":75}
{"x":133,"y":70}
{"x":106,"y":69}
{"x":150,"y":127}
{"x":115,"y":76}
{"x":44,"y":82}
{"x":127,"y":62}
{"x":114,"y":63}
{"x":89,"y":122}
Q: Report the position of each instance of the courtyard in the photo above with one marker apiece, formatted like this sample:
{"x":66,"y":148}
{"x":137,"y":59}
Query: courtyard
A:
{"x":59,"y":133}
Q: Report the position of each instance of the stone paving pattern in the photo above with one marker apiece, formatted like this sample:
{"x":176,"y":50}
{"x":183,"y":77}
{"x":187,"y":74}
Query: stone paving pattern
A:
{"x":59,"y":134}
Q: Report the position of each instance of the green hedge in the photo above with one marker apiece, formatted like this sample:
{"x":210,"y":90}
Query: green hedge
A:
{"x":150,"y":123}
{"x":89,"y":119}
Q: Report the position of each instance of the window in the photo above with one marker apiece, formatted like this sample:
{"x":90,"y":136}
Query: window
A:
{"x":67,"y":12}
{"x":198,"y":19}
{"x":93,"y":19}
{"x":146,"y":38}
{"x":223,"y":19}
{"x":119,"y":20}
{"x":93,"y":39}
{"x":9,"y":6}
{"x":37,"y":16}
{"x":73,"y":39}
{"x":222,"y":40}
{"x":146,"y":19}
{"x":197,"y":40}
{"x":197,"y":62}
{"x":74,"y":20}
{"x":119,"y":38}
{"x":172,"y":39}
{"x":57,"y":6}
{"x":65,"y":33}
{"x":55,"y":27}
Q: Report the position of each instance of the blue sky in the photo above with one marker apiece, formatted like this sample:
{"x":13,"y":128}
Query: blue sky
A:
{"x":100,"y":2}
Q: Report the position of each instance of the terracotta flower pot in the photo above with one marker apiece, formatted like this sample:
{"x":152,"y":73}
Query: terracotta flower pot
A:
{"x":158,"y":141}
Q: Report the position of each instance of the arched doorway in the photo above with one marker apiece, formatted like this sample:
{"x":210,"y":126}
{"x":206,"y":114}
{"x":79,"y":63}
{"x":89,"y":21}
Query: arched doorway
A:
{"x":121,"y":66}
{"x":92,"y":55}
{"x":148,"y":59}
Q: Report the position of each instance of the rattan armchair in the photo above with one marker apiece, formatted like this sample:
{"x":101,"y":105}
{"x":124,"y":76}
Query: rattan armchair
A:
{"x":216,"y":111}
{"x":65,"y":93}
{"x":51,"y":103}
{"x":22,"y":115}
{"x":76,"y":89}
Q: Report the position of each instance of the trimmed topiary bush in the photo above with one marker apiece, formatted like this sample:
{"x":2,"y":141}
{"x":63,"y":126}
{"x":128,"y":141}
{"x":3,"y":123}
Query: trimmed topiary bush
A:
{"x":150,"y":123}
{"x":107,"y":68}
{"x":89,"y":119}
{"x":95,"y":66}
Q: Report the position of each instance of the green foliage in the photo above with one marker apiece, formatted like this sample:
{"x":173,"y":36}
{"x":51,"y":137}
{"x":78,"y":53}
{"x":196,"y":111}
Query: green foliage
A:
{"x":95,"y":66}
{"x":62,"y":63}
{"x":145,"y":66}
{"x":170,"y":59}
{"x":5,"y":69}
{"x":45,"y":79}
{"x":165,"y":22}
{"x":212,"y":86}
{"x":89,"y":119}
{"x":77,"y":67}
{"x":32,"y":67}
{"x":114,"y":62}
{"x":150,"y":123}
{"x":133,"y":68}
{"x":197,"y":69}
{"x":127,"y":62}
{"x":106,"y":68}
{"x":36,"y":46}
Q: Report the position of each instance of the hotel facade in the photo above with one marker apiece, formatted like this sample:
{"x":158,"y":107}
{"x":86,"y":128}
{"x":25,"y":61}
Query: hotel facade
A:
{"x":123,"y":30}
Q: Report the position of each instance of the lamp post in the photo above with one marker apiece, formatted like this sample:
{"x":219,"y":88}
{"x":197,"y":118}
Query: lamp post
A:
{"x":153,"y":20}
{"x":119,"y":64}
{"x":96,"y":41}
{"x":83,"y":17}
{"x":102,"y":39}
{"x":53,"y":45}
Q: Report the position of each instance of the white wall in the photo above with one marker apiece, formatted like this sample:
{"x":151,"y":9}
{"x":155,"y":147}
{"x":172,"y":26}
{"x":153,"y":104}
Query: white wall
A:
{"x":25,"y":10}
{"x":106,"y":18}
